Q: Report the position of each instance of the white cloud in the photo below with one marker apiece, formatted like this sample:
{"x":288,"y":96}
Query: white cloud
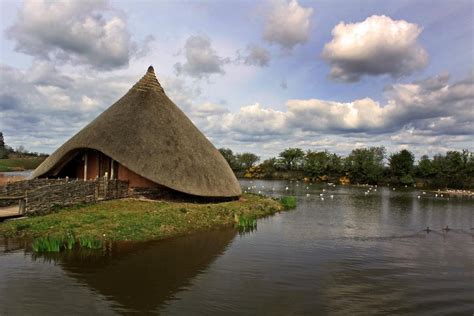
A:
{"x":313,"y":114}
{"x":287,"y":24}
{"x":251,"y":121}
{"x":40,"y":110}
{"x":201,"y":59}
{"x":429,"y":116}
{"x":376,"y":46}
{"x":255,"y":56}
{"x":79,"y":32}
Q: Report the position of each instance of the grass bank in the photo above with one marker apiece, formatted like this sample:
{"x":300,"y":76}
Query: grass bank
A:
{"x":122,"y":220}
{"x":20,"y":164}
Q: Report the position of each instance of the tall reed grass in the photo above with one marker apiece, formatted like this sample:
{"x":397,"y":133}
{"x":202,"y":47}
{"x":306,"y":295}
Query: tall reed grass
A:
{"x":288,"y":202}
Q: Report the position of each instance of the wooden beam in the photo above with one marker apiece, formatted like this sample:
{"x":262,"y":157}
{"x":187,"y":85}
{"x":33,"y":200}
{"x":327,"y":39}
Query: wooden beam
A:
{"x":111,"y":169}
{"x":85,"y":166}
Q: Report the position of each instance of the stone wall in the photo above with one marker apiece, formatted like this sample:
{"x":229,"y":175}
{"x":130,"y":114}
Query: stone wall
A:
{"x":115,"y":189}
{"x":19,"y":188}
{"x":45,"y":199}
{"x":42,"y":196}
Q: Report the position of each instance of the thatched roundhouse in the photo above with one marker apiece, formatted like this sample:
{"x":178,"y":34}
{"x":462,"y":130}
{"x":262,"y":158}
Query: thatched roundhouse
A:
{"x":146,"y":139}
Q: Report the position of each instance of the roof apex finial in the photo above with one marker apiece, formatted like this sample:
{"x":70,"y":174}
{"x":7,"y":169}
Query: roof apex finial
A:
{"x":150,"y":69}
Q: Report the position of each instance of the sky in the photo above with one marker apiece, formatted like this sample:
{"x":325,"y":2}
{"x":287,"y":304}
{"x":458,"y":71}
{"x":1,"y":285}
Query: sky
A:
{"x":254,"y":76}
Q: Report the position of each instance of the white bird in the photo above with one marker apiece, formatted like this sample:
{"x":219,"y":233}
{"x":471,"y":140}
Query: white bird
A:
{"x":375,"y":190}
{"x":332,"y":196}
{"x":436,"y":195}
{"x":366,"y":193}
{"x":441,"y":195}
{"x":393,"y":189}
{"x":320,"y":194}
{"x":322,"y":199}
{"x":418,"y":196}
{"x":324,"y":190}
{"x":259,"y":192}
{"x":286,"y":188}
{"x":307,"y":194}
{"x":424,"y":192}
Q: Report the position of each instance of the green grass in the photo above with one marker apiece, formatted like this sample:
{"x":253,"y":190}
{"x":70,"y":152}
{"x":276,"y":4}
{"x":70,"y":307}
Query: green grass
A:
{"x":90,"y":242}
{"x":19,"y":164}
{"x":47,"y":244}
{"x":246,"y":222}
{"x":288,"y":202}
{"x":121,"y":220}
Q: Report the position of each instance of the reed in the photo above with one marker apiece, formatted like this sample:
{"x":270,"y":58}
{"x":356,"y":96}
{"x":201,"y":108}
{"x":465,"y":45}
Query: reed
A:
{"x":288,"y":202}
{"x":90,"y":242}
{"x":246,"y":223}
{"x":47,"y":244}
{"x":69,"y":240}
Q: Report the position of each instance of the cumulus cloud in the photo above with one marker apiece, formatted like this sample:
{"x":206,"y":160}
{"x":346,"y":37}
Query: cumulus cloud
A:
{"x":433,"y":113}
{"x":431,"y":105}
{"x":376,"y":46}
{"x":287,"y":24}
{"x":322,"y":115}
{"x":40,"y":110}
{"x":255,"y":56}
{"x":77,"y":32}
{"x":201,"y":59}
{"x":253,"y":120}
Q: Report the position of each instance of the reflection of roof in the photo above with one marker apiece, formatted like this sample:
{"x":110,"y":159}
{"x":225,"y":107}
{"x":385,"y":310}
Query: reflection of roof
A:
{"x":147,"y":133}
{"x":141,"y":277}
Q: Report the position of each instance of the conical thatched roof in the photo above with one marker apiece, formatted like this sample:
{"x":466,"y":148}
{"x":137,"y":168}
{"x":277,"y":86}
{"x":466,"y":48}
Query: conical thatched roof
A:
{"x":147,"y":133}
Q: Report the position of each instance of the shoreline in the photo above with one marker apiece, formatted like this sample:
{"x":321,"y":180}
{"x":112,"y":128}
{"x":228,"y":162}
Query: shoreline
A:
{"x":451,"y":191}
{"x":138,"y":220}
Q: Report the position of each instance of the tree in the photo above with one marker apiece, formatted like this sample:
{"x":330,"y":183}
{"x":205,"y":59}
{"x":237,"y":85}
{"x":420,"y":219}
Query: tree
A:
{"x":401,"y":166}
{"x":292,"y":158}
{"x":425,"y":167}
{"x":317,"y":163}
{"x":365,"y":165}
{"x":229,"y":156}
{"x":269,"y":165}
{"x":246,"y":160}
{"x":3,"y":148}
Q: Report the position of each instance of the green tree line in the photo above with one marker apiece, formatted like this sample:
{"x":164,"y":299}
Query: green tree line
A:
{"x":20,"y":152}
{"x":372,"y":165}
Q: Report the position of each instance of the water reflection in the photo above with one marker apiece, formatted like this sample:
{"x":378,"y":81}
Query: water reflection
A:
{"x":137,"y":278}
{"x":354,"y":253}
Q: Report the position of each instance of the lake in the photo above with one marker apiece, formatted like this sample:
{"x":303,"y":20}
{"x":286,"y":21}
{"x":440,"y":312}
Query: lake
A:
{"x":351,"y":251}
{"x":24,"y":173}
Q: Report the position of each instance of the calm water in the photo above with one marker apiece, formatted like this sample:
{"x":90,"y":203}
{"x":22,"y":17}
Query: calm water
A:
{"x":353,"y":254}
{"x":25,"y":173}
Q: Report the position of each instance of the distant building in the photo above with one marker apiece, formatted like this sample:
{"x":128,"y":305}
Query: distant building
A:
{"x":146,"y":139}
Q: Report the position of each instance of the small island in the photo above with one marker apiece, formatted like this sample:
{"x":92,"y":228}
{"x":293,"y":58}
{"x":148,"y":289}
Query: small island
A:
{"x":137,"y":220}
